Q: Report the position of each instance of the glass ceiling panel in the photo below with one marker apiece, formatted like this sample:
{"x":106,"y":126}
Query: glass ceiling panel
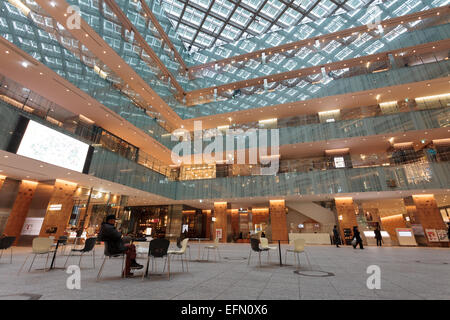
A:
{"x":315,"y":54}
{"x":37,"y":35}
{"x":247,"y":18}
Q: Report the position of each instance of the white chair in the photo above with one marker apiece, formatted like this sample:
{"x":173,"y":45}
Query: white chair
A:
{"x":264,"y":243}
{"x":39,"y":246}
{"x":181,"y":253}
{"x":214,"y":247}
{"x":299,"y":247}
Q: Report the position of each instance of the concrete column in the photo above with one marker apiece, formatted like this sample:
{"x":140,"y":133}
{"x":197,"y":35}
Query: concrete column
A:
{"x":278,"y":221}
{"x":59,"y":209}
{"x":346,"y":212}
{"x":221,"y":215}
{"x":20,"y":208}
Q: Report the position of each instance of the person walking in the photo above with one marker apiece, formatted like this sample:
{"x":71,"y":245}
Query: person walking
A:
{"x":378,"y":236}
{"x":357,"y":237}
{"x":336,"y":237}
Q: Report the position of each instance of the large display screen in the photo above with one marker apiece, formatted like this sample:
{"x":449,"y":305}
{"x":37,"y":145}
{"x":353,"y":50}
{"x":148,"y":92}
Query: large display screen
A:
{"x":42,"y":143}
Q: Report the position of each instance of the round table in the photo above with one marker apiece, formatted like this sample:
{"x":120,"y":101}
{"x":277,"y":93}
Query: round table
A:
{"x":199,"y":241}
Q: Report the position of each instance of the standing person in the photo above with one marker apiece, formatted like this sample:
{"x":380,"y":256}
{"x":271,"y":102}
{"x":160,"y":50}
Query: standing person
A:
{"x":448,"y":231}
{"x":357,"y":237}
{"x":336,"y":237}
{"x":116,"y":245}
{"x":378,"y":236}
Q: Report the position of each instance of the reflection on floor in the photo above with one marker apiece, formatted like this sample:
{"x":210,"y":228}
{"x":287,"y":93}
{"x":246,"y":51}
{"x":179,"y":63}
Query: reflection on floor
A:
{"x":337,"y":273}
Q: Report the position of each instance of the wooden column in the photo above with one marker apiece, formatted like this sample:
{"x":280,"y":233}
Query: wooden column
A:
{"x":346,"y":212}
{"x":390,"y":223}
{"x":207,"y":219}
{"x":20,"y":208}
{"x":220,"y":213}
{"x":428,"y":215}
{"x":59,"y":208}
{"x":278,"y":221}
{"x":235,"y":222}
{"x":2,"y":179}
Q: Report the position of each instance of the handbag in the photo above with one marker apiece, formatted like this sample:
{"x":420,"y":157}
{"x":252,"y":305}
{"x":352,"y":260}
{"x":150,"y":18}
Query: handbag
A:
{"x":354,"y":242}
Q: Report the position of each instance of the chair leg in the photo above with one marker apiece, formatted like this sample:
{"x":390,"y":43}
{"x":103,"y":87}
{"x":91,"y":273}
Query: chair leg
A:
{"x":79,"y":262}
{"x":207,"y":255}
{"x":70,"y":254}
{"x":23,"y":264}
{"x":298,"y":260}
{"x":146,"y":268}
{"x":187,"y":263}
{"x":101,"y":269}
{"x":46,"y":261}
{"x":168,"y":266}
{"x":93,"y":258}
{"x":123,"y":270}
{"x":182,"y":264}
{"x":260,"y":258}
{"x":10,"y":260}
{"x":249,"y":256}
{"x":218,"y":252}
{"x":189,"y":247}
{"x":32,"y":263}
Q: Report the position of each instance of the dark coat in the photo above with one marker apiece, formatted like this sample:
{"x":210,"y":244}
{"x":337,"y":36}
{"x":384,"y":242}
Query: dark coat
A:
{"x":357,"y":234}
{"x":112,"y":238}
{"x":336,"y":236}
{"x":377,"y":234}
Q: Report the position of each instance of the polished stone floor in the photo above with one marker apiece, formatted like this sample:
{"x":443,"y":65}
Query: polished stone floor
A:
{"x":333,"y":273}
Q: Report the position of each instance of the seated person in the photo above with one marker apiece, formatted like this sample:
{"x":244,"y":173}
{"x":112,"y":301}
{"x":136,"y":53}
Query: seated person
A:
{"x":113,"y":239}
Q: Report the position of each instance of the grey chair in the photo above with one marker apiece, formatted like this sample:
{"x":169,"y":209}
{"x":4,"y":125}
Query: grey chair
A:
{"x":254,"y":246}
{"x":158,"y":248}
{"x":109,"y":256}
{"x":89,"y":246}
{"x":5,"y":244}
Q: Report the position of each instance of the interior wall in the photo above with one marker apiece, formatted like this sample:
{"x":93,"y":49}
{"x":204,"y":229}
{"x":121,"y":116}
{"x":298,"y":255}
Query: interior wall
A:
{"x":8,"y":194}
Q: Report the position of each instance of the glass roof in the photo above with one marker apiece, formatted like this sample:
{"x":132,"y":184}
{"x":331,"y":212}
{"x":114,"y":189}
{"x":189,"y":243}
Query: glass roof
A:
{"x":202,"y":24}
{"x":359,"y":44}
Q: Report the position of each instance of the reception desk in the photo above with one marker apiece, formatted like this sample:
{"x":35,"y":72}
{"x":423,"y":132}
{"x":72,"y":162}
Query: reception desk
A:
{"x":310,"y":238}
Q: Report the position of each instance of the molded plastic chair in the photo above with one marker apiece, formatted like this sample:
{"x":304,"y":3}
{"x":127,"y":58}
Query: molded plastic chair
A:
{"x":89,"y":246}
{"x":110,"y":255}
{"x":254,"y":245}
{"x":39,"y":246}
{"x":181,"y":253}
{"x":180,"y":246}
{"x":215,"y":247}
{"x":6,"y":243}
{"x":158,"y":248}
{"x":264,"y":242}
{"x":299,"y":247}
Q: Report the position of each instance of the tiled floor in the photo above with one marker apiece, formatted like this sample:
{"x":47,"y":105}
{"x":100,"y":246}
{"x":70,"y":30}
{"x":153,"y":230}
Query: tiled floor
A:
{"x":406,"y":273}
